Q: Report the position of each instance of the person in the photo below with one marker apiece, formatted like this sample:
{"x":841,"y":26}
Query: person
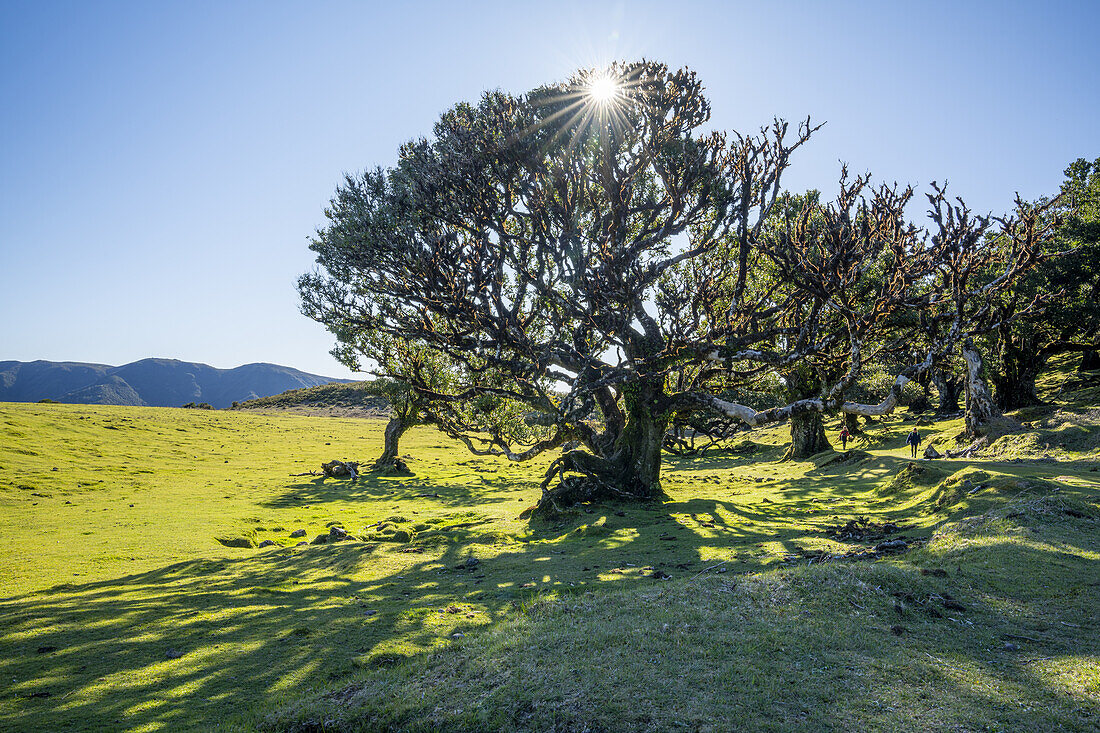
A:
{"x":844,"y":435}
{"x":913,"y":440}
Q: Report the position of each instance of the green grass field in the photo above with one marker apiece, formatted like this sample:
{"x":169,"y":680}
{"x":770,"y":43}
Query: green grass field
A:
{"x":120,"y":609}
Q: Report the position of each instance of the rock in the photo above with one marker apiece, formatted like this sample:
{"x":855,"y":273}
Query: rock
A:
{"x":457,"y":635}
{"x":660,"y":575}
{"x":266,"y":543}
{"x":298,"y":533}
{"x":891,"y":546}
{"x":173,"y":654}
{"x":46,"y":649}
{"x":336,"y":534}
{"x":931,"y":453}
{"x":319,"y":539}
{"x":1010,"y":647}
{"x":468,"y":564}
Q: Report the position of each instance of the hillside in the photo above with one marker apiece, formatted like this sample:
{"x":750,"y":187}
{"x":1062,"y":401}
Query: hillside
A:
{"x":336,"y":399}
{"x":135,"y":593}
{"x":148,"y":382}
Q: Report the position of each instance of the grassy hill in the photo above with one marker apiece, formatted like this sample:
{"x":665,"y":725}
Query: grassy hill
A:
{"x":728,"y":606}
{"x":350,"y":399}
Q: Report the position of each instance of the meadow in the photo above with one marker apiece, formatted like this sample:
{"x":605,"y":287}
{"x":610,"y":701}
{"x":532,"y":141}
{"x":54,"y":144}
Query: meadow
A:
{"x":134,"y":594}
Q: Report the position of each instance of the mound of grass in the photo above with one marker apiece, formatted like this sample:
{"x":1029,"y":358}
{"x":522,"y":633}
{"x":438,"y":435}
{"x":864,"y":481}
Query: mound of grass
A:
{"x":353,"y":395}
{"x":904,"y":645}
{"x":914,"y":475}
{"x":956,"y":487}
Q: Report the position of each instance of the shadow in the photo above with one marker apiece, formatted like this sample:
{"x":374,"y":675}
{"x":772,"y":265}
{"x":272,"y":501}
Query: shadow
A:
{"x":203,"y":641}
{"x":368,"y":487}
{"x":885,"y":646}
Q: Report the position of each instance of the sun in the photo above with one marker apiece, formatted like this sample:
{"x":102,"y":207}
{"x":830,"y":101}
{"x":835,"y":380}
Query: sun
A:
{"x":603,"y":89}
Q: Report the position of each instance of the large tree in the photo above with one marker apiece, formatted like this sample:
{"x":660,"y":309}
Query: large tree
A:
{"x":1066,"y":289}
{"x":574,"y":252}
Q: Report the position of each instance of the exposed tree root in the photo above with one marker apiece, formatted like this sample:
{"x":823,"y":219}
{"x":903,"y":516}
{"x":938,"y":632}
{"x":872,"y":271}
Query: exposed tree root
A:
{"x":391,"y":467}
{"x":601,"y":479}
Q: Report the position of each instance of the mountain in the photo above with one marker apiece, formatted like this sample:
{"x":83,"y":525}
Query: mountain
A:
{"x":154,"y":382}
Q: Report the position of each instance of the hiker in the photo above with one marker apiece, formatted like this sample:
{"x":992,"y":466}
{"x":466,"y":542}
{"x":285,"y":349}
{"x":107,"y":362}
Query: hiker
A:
{"x":913,"y":440}
{"x":844,"y":435}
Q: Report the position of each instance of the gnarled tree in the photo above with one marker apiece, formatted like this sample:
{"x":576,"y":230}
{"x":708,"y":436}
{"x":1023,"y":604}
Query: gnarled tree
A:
{"x":566,"y":251}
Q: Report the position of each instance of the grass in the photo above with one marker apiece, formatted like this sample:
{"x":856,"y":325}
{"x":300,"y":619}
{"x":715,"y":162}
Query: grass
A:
{"x":121,"y":610}
{"x":351,"y":399}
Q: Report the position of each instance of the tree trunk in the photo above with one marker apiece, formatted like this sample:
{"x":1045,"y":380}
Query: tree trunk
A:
{"x":948,"y":389}
{"x":388,"y":461}
{"x":980,"y":408}
{"x":851,"y":421}
{"x":632,"y":468}
{"x":1090,"y":361}
{"x":1020,"y":366}
{"x":807,"y":436}
{"x":807,"y":428}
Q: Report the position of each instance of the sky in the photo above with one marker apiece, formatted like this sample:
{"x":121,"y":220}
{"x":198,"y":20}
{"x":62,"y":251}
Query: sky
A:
{"x":163,"y":164}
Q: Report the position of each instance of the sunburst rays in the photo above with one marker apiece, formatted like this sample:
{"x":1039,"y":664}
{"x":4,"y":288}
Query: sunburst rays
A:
{"x":595,"y":102}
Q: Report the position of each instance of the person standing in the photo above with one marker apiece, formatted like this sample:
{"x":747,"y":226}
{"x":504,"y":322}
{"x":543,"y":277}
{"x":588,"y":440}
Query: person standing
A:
{"x":844,"y":435}
{"x":913,"y":441}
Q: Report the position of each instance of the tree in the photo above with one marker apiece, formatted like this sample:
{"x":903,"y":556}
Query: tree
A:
{"x":569,"y":252}
{"x":1056,"y":307}
{"x":393,"y":362}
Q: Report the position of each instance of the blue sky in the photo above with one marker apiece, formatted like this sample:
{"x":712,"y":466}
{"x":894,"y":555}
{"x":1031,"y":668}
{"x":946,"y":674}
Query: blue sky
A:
{"x":162,"y":164}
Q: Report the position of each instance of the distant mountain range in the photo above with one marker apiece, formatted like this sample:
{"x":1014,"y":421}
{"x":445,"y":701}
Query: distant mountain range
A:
{"x":153,"y":382}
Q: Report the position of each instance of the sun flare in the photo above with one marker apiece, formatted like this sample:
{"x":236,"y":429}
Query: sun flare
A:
{"x":603,"y":89}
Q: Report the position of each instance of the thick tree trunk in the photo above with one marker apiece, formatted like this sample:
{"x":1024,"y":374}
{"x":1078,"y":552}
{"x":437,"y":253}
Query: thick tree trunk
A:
{"x":388,"y":461}
{"x":924,"y":401}
{"x":851,"y":421}
{"x":1090,"y":361}
{"x":980,"y":408}
{"x":1021,"y":363}
{"x":807,"y":436}
{"x":807,"y":428}
{"x":631,"y":470}
{"x":949,"y":390}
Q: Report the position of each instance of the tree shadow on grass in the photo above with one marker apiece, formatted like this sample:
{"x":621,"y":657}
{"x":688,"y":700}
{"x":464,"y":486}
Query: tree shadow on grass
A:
{"x":368,"y":487}
{"x":834,"y":648}
{"x":200,"y":643}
